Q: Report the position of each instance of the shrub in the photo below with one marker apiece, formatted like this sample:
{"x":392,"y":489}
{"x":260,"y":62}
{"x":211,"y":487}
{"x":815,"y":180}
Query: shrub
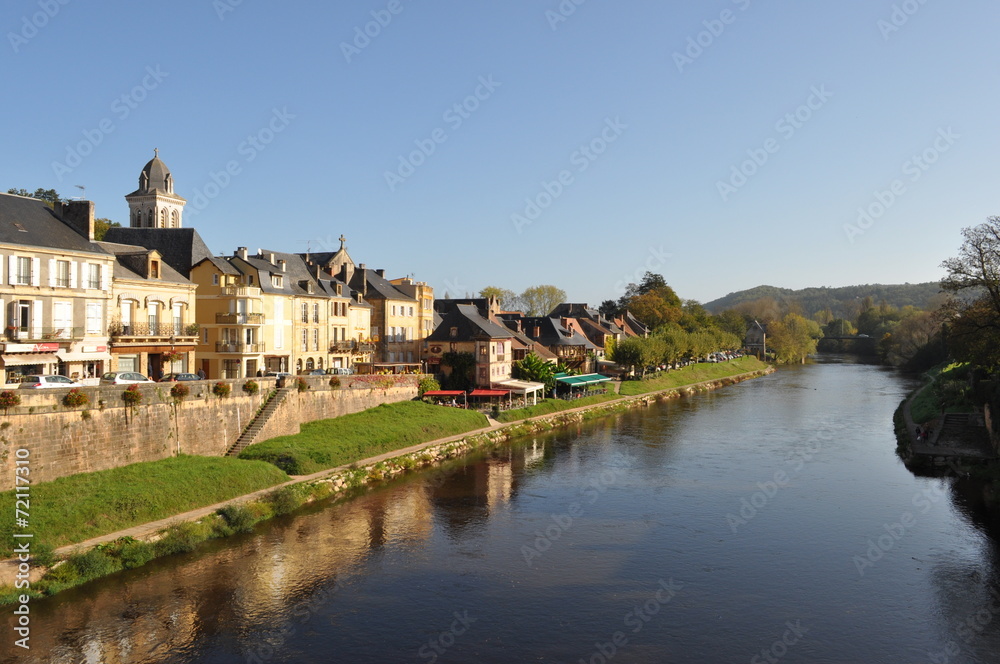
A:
{"x":86,"y":414}
{"x":136,"y":554}
{"x":179,"y":391}
{"x":285,"y":500}
{"x":221,"y":389}
{"x":75,"y":398}
{"x":94,"y":564}
{"x":428,"y":385}
{"x":62,"y":576}
{"x":9,"y":399}
{"x":251,"y":387}
{"x":301,"y":385}
{"x":132,"y":396}
{"x":43,"y":555}
{"x":335,"y":383}
{"x":239,"y":518}
{"x":182,"y":539}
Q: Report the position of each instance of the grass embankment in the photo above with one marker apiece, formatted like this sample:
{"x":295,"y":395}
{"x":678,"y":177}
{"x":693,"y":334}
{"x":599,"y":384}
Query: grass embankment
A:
{"x":342,"y":440}
{"x":76,"y":508}
{"x":946,"y":386}
{"x":549,"y":406}
{"x":695,"y":373}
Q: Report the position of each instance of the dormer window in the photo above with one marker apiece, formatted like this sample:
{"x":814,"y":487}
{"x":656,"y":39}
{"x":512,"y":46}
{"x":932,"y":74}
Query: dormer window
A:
{"x":154,"y":269}
{"x":276,"y":281}
{"x":453,"y":333}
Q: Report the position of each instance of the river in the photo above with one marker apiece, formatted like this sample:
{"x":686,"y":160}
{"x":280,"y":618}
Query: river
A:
{"x":767,"y":521}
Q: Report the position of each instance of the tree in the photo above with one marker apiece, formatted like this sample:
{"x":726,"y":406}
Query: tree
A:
{"x":535,"y":369}
{"x":101,"y":227}
{"x":609,"y":308}
{"x":657,"y":307}
{"x":732,"y":322}
{"x":462,"y":366}
{"x":509,"y":300}
{"x":793,"y":338}
{"x":910,"y":337}
{"x":540,"y":300}
{"x":976,"y":269}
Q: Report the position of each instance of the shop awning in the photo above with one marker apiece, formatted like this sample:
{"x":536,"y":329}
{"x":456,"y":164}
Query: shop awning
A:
{"x":521,"y":386}
{"x":25,"y":359}
{"x":587,"y":379}
{"x":489,"y":393}
{"x":444,"y":393}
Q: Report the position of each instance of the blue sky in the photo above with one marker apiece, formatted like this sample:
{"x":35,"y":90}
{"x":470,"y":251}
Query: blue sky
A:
{"x":592,"y":141}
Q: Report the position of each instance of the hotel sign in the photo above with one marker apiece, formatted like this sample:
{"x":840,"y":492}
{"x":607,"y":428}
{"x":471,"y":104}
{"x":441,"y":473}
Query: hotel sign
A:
{"x":31,"y":348}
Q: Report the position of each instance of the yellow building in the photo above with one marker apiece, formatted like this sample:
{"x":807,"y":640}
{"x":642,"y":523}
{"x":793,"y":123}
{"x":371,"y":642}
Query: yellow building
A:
{"x":152,"y":327}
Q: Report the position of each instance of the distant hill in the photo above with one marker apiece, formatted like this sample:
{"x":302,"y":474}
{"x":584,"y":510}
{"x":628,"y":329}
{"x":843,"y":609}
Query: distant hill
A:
{"x":841,"y":301}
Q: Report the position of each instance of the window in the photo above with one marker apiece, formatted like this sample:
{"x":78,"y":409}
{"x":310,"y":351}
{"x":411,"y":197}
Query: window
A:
{"x":411,"y":311}
{"x":276,"y":281}
{"x":394,"y":310}
{"x":305,"y":312}
{"x":316,"y":313}
{"x":94,"y":318}
{"x":178,"y":318}
{"x":305,"y":339}
{"x":315,"y":339}
{"x":62,"y":274}
{"x":204,"y":336}
{"x":154,"y":317}
{"x":453,"y":332}
{"x":23,"y":274}
{"x":62,"y":319}
{"x":93,"y":276}
{"x":215,"y":280}
{"x":154,"y":269}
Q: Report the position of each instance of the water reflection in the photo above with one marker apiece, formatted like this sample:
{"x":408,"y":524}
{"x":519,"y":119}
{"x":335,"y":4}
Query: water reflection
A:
{"x":382,"y":577}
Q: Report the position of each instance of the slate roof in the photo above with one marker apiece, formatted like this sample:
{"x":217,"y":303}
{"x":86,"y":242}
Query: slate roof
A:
{"x":378,"y":287}
{"x":552,"y":333}
{"x":470,"y":326}
{"x":122,"y":269}
{"x":181,"y":248}
{"x":42,"y":227}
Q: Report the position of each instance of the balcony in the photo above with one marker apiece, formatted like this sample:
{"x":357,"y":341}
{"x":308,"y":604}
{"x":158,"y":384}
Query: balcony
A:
{"x":342,"y":346}
{"x":238,"y":347}
{"x":241,"y":291}
{"x":35,"y":334}
{"x":364,"y":348}
{"x":154,"y":330}
{"x":239,"y":319}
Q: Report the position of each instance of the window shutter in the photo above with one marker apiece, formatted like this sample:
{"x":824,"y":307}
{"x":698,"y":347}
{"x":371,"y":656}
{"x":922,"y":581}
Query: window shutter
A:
{"x":72,"y":274}
{"x":105,"y":277}
{"x":36,"y":317}
{"x":36,"y":277}
{"x":52,"y":272}
{"x":1,"y":269}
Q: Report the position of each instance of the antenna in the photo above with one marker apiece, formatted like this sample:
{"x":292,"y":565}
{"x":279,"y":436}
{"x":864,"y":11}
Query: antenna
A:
{"x":83,"y":191}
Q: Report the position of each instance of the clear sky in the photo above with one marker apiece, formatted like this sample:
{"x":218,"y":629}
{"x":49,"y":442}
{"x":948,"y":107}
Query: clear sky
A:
{"x":724,"y":144}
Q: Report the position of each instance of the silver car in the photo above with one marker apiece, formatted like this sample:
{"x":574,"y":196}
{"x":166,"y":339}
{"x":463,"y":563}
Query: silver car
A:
{"x":35,"y":382}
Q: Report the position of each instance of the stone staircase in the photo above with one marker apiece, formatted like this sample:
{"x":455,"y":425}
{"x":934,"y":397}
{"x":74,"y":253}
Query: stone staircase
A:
{"x":962,"y":431}
{"x":253,"y":428}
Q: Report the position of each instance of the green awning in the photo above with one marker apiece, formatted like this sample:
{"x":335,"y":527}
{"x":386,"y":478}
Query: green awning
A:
{"x":580,"y":381}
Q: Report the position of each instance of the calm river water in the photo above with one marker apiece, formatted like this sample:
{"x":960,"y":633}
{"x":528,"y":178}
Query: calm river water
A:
{"x":768,"y":521}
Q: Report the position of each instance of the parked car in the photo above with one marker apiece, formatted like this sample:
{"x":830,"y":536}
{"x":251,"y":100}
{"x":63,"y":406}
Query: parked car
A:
{"x":277,"y":374}
{"x":173,"y":377}
{"x":35,"y":382}
{"x":341,"y":371}
{"x":123,"y":378}
{"x":318,"y":372}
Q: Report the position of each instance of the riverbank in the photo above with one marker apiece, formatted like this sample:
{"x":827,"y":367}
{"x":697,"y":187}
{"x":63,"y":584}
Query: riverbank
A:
{"x":112,"y":552}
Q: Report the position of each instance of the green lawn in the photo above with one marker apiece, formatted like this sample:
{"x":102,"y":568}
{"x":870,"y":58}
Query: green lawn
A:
{"x":694,"y":373}
{"x":549,"y":406}
{"x":926,"y":406}
{"x":342,"y":440}
{"x":76,"y":508}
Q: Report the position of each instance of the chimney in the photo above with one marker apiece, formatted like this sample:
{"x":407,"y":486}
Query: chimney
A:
{"x":241,"y":252}
{"x":281,"y":265}
{"x":270,"y":258}
{"x":361,"y":266}
{"x":380,"y":273}
{"x":80,"y":217}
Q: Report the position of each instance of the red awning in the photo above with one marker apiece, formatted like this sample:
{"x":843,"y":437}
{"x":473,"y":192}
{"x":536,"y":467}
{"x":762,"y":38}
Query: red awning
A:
{"x":444,"y":393}
{"x":489,"y":393}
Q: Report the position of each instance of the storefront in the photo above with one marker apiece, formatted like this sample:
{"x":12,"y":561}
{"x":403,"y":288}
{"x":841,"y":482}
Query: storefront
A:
{"x":21,"y":360}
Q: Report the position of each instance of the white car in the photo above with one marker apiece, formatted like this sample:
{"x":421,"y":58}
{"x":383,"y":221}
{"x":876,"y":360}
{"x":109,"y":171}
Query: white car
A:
{"x":123,"y":378}
{"x":35,"y":382}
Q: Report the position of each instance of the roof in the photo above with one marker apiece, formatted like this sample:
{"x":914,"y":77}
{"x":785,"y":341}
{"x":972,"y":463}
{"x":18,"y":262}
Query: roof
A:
{"x":181,"y":248}
{"x":469,"y":325}
{"x":30,"y":222}
{"x":155,"y":178}
{"x":552,"y":333}
{"x":444,"y":393}
{"x":586,"y":379}
{"x":126,"y":266}
{"x":376,"y":287}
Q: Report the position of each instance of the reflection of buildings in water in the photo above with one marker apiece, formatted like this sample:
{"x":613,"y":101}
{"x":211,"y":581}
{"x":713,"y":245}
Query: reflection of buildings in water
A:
{"x":534,"y":453}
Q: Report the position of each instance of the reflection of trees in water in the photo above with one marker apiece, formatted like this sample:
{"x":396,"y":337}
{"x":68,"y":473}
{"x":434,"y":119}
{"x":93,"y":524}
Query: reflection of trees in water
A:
{"x":968,"y":587}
